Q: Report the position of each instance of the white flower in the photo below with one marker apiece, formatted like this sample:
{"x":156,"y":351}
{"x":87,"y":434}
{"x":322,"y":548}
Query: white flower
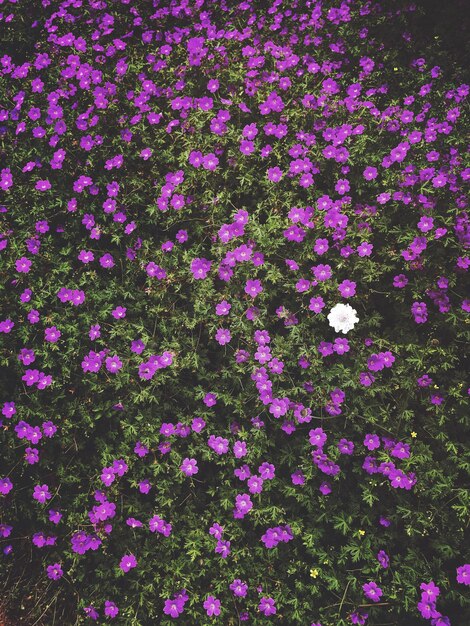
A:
{"x":342,"y":317}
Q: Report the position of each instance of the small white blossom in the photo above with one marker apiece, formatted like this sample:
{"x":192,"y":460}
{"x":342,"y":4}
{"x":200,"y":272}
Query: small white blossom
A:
{"x":342,"y":317}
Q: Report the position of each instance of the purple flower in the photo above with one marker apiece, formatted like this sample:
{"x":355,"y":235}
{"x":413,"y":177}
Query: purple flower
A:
{"x":430,"y":591}
{"x":200,"y":267}
{"x":400,"y":281}
{"x":33,"y":317}
{"x":223,"y":308}
{"x":321,"y":246}
{"x":223,"y":336}
{"x":216,"y":530}
{"x":108,"y":476}
{"x":110,"y":609}
{"x":325,"y":348}
{"x":8,"y":409}
{"x":140,"y":450}
{"x":210,"y":162}
{"x":317,"y":437}
{"x":55,"y":516}
{"x":419,"y":311}
{"x":86,"y":256}
{"x":113,"y":364}
{"x":218,"y":444}
{"x":370,"y":173}
{"x":316,"y":304}
{"x":253,"y":288}
{"x":23,"y":265}
{"x":364,"y":249}
{"x":372,"y":442}
{"x":173,"y":607}
{"x":238,"y":588}
{"x":383,"y":559}
{"x":189,"y":467}
{"x":210,"y":399}
{"x":322,"y":272}
{"x":119,"y":312}
{"x":401,"y":450}
{"x":341,"y":345}
{"x":427,"y":609}
{"x":267,"y":606}
{"x":358,"y":617}
{"x":239,"y":449}
{"x":425,"y":224}
{"x":5,"y":486}
{"x":243,"y":503}
{"x":342,"y":186}
{"x":158,"y":524}
{"x":52,"y":334}
{"x":127,"y":562}
{"x":107,"y":261}
{"x":54,"y":572}
{"x":41,"y":493}
{"x":197,"y":424}
{"x":5,"y":530}
{"x":212,"y":606}
{"x":91,"y":612}
{"x":345,"y":446}
{"x":275,"y":174}
{"x":347,"y":288}
{"x":222,"y":548}
{"x":372,"y":591}
{"x":463,"y":574}
{"x":42,"y":185}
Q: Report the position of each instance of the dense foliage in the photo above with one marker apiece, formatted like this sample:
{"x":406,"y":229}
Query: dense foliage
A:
{"x":234,"y":293}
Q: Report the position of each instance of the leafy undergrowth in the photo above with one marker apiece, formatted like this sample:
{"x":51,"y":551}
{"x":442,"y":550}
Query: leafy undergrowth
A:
{"x":234,"y":314}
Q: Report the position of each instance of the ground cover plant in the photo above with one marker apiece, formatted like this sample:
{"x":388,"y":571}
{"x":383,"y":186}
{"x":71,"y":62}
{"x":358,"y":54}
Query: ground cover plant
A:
{"x":234,"y":314}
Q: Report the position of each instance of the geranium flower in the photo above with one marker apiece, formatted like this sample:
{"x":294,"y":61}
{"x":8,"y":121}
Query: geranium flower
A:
{"x":128,"y":562}
{"x":212,"y":606}
{"x":54,"y":572}
{"x":267,"y":606}
{"x":372,"y":591}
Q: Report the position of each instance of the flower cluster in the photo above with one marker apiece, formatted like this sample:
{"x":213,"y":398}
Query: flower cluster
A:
{"x":198,"y":202}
